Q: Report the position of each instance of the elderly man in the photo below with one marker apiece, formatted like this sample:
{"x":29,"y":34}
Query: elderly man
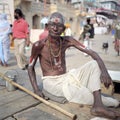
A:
{"x":80,"y":85}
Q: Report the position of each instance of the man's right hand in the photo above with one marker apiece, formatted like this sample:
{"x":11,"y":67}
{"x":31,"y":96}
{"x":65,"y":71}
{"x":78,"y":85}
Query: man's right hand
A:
{"x":39,"y":93}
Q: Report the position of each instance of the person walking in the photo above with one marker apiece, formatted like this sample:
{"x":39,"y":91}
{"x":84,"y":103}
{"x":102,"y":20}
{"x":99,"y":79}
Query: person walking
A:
{"x":5,"y":31}
{"x":117,"y":38}
{"x":21,"y":38}
{"x":88,"y":33}
{"x":44,"y":34}
{"x":81,"y":85}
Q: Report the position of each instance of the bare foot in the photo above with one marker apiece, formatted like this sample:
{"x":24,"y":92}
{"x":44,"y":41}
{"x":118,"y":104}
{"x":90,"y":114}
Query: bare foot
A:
{"x":105,"y":112}
{"x":6,"y":65}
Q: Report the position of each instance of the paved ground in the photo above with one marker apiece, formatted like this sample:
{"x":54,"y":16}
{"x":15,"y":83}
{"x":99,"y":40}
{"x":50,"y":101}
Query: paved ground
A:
{"x":74,"y":59}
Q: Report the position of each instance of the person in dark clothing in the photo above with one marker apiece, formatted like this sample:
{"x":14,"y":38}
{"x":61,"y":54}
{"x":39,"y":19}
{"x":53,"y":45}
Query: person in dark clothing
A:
{"x":91,"y":30}
{"x":88,"y":33}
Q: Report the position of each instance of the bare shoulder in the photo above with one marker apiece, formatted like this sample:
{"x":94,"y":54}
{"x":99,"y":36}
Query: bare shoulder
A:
{"x":72,"y":42}
{"x":39,"y":44}
{"x":69,"y":39}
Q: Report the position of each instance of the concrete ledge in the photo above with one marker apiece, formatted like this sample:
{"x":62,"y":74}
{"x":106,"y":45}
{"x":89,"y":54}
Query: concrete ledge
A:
{"x":115,"y":75}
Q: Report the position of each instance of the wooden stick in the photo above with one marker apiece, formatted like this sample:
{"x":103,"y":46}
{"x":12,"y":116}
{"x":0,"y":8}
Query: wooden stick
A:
{"x":72,"y":116}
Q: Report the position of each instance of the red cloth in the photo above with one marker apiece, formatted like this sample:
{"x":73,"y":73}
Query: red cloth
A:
{"x":20,"y":28}
{"x":43,"y":35}
{"x":117,"y":45}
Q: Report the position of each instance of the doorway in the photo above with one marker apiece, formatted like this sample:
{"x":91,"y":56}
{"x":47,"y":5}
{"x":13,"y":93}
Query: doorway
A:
{"x":36,"y":23}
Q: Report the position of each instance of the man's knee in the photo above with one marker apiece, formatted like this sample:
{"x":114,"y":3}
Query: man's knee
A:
{"x":93,"y":64}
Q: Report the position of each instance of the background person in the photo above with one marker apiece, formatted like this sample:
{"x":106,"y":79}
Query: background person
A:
{"x":21,"y":38}
{"x":44,"y":34}
{"x":88,"y":29}
{"x":11,"y":41}
{"x":68,"y":31}
{"x":117,"y":38}
{"x":5,"y":31}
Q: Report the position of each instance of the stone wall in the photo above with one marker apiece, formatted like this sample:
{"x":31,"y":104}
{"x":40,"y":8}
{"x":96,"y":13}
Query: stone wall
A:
{"x":7,"y":6}
{"x":35,"y":11}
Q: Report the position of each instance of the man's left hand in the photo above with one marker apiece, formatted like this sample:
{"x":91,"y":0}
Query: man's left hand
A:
{"x":106,"y":79}
{"x":27,"y":42}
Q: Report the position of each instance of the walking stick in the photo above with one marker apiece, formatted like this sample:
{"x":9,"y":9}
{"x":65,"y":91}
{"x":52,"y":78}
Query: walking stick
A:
{"x":72,"y":116}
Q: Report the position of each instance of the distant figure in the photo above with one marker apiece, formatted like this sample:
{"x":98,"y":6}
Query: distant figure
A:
{"x":105,"y":46}
{"x":5,"y":31}
{"x":113,"y":30}
{"x":68,"y":31}
{"x":117,"y":38}
{"x":21,"y":38}
{"x":88,"y":29}
{"x":44,"y":34}
{"x":11,"y":41}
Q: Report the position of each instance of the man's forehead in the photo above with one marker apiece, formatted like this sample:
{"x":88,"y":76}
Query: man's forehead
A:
{"x":56,"y":20}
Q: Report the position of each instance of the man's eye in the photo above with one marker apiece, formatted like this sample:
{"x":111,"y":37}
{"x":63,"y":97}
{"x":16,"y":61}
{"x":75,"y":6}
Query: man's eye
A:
{"x":56,"y":25}
{"x":59,"y":25}
{"x":53,"y":25}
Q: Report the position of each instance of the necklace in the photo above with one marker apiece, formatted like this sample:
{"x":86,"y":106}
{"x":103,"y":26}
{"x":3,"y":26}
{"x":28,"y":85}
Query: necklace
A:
{"x":53,"y":52}
{"x":55,"y":56}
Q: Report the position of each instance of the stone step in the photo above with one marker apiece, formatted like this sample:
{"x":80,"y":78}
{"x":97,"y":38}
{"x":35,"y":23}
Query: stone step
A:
{"x":115,"y":75}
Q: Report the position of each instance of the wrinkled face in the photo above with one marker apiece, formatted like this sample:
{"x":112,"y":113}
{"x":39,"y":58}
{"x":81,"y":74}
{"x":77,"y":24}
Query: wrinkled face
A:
{"x":55,"y":26}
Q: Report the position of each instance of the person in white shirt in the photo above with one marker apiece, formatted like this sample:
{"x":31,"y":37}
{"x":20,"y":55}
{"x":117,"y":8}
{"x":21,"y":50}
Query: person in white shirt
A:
{"x":68,"y":31}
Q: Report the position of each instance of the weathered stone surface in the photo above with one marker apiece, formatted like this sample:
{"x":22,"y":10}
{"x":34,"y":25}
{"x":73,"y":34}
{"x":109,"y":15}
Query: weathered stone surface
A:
{"x":10,"y":118}
{"x":34,"y":114}
{"x":13,"y":102}
{"x":82,"y":111}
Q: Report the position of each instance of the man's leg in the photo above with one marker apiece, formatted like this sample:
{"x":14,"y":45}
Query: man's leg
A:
{"x":91,"y":79}
{"x":100,"y":110}
{"x":19,"y":52}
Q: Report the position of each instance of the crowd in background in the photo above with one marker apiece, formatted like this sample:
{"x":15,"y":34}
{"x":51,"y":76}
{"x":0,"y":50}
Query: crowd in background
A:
{"x":18,"y":32}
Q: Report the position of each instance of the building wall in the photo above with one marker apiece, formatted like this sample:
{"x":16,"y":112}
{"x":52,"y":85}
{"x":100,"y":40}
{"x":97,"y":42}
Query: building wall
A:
{"x":35,"y":11}
{"x":7,"y":6}
{"x":109,"y":5}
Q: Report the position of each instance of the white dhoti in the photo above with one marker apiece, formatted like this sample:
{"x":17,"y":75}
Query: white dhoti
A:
{"x":78,"y":85}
